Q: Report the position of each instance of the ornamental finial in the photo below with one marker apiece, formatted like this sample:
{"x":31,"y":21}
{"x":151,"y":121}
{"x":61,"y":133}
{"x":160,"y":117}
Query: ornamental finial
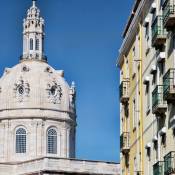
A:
{"x":33,"y":35}
{"x":34,"y":2}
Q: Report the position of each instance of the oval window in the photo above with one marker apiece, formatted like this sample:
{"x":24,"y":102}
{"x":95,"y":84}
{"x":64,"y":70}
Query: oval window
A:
{"x":20,"y":90}
{"x":53,"y":90}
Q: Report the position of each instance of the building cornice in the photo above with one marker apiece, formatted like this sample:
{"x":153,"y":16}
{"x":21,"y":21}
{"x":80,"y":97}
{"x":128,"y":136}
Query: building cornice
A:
{"x":61,"y":165}
{"x":134,"y":9}
{"x":130,"y":32}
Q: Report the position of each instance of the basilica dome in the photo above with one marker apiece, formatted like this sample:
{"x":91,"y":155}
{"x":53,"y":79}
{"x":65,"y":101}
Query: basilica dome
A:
{"x":37,"y":106}
{"x":34,"y":85}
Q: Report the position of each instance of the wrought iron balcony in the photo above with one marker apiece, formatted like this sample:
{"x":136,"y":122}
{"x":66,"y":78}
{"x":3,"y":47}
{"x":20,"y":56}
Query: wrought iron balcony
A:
{"x":158,"y":32}
{"x":169,"y":14}
{"x":169,"y":85}
{"x":124,"y":91}
{"x":124,"y":142}
{"x":169,"y":163}
{"x":158,"y":104}
{"x":158,"y":168}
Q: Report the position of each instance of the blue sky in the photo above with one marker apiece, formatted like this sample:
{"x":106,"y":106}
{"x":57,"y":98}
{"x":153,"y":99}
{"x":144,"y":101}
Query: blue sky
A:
{"x":82,"y":38}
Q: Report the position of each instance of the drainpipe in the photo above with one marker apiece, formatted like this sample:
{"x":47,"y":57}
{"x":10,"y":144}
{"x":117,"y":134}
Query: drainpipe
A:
{"x":141,"y":100}
{"x":173,"y":52}
{"x":158,"y":138}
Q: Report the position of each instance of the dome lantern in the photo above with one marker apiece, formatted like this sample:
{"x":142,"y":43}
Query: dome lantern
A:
{"x":33,"y":35}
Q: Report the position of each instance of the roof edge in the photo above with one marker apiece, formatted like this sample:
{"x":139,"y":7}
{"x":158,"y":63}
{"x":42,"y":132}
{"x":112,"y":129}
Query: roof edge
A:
{"x":134,"y":9}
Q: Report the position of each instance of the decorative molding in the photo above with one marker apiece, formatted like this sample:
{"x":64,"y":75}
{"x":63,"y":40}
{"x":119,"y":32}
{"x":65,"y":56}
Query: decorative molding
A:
{"x":21,"y":90}
{"x":72,"y":95}
{"x":25,"y":68}
{"x":48,"y":70}
{"x":131,"y":31}
{"x":54,"y":91}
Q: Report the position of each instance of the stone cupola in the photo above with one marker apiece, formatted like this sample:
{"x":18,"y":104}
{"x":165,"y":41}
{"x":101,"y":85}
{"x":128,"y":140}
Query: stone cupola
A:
{"x":33,"y":35}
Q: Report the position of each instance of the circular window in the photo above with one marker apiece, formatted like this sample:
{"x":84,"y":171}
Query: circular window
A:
{"x":21,"y":90}
{"x":53,"y":91}
{"x":25,"y":68}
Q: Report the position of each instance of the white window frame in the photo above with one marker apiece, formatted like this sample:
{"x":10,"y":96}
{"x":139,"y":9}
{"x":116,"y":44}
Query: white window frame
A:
{"x":20,"y":141}
{"x":52,"y":141}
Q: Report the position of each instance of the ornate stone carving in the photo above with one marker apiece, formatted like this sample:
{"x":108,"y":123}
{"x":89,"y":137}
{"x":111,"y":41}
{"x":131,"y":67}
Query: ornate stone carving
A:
{"x":21,"y":90}
{"x":25,"y":68}
{"x":72,"y":95}
{"x":48,"y":70}
{"x":54,"y":91}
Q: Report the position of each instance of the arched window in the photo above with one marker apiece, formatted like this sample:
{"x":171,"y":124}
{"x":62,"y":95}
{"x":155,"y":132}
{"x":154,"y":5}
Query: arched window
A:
{"x":31,"y":44}
{"x":52,"y":141}
{"x":21,"y":140}
{"x":43,"y":44}
{"x":37,"y":44}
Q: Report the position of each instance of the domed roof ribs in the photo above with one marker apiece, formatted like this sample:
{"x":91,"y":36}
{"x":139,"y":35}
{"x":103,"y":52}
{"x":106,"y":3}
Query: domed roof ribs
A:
{"x":33,"y":35}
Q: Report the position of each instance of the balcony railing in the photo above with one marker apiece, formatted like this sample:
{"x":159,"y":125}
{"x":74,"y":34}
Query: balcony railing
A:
{"x":158,"y":104}
{"x":124,"y":91}
{"x":158,"y":32}
{"x":124,"y":142}
{"x":36,"y":57}
{"x":169,"y":13}
{"x":158,"y":168}
{"x":169,"y":85}
{"x":169,"y":163}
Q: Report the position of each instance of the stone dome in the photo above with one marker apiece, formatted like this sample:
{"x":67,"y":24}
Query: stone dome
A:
{"x":35,"y":89}
{"x":37,"y":106}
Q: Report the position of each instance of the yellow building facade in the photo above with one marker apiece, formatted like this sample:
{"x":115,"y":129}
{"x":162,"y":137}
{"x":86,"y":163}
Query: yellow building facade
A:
{"x":147,"y":89}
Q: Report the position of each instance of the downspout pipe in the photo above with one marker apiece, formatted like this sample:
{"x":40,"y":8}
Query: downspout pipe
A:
{"x":141,"y":101}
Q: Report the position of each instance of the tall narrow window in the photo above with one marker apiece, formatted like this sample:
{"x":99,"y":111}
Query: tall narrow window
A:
{"x":147,"y":33}
{"x":148,"y":96}
{"x":42,"y":44}
{"x":37,"y":44}
{"x":134,"y":113}
{"x":134,"y":58}
{"x":52,"y":141}
{"x":135,"y":164}
{"x":21,"y":140}
{"x":31,"y":44}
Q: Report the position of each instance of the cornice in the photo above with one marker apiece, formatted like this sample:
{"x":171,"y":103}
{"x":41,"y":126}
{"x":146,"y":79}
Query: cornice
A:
{"x":131,"y":32}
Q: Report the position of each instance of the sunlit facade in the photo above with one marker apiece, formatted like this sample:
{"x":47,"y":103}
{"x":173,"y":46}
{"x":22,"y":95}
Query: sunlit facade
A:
{"x":147,"y":89}
{"x":38,"y":114}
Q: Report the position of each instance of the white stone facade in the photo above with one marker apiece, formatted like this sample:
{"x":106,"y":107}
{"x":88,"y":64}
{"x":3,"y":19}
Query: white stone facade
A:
{"x":33,"y":35}
{"x":36,"y":110}
{"x":47,"y":166}
{"x":38,"y":114}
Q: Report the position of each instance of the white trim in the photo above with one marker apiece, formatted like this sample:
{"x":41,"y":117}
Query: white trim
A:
{"x":146,"y":22}
{"x":161,"y":57}
{"x":146,"y":80}
{"x":163,"y":131}
{"x":155,"y":139}
{"x":153,"y":7}
{"x":131,"y":31}
{"x":153,"y":69}
{"x":148,"y":145}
